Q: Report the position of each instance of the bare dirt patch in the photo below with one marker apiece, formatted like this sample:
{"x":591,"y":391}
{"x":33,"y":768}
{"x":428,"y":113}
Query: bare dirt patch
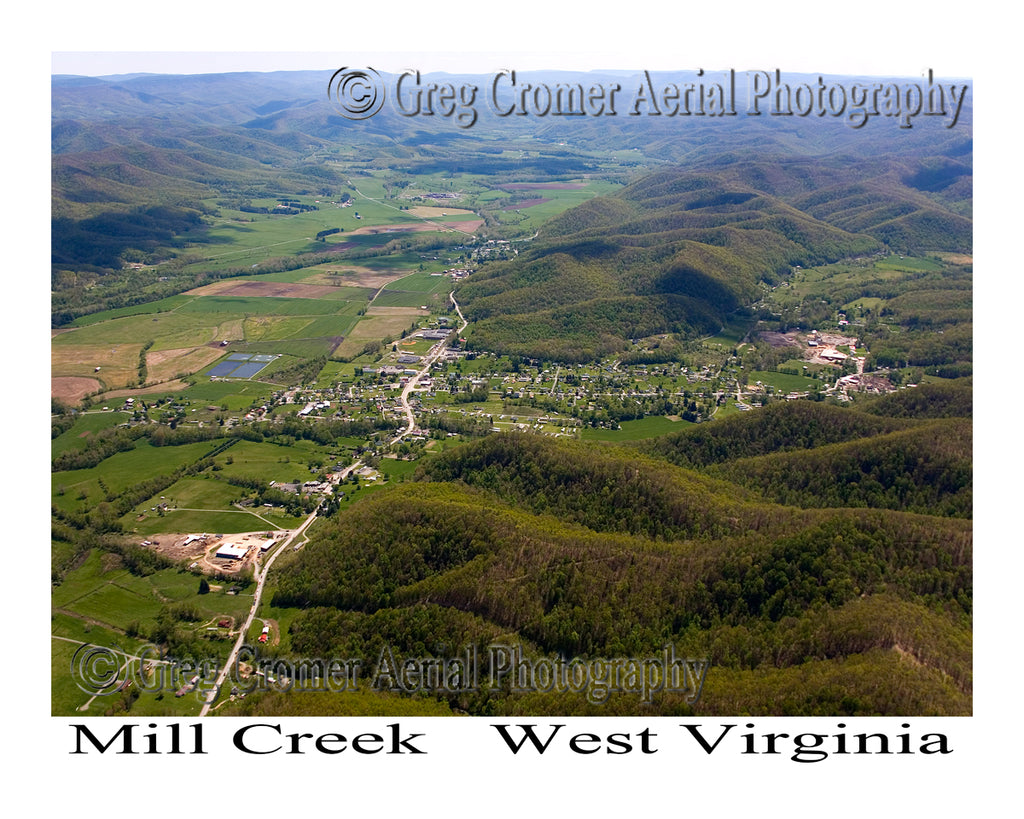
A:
{"x":469,"y":226}
{"x":834,"y":340}
{"x":202,"y":548}
{"x":174,"y":547}
{"x":777,"y":340}
{"x":72,"y":388}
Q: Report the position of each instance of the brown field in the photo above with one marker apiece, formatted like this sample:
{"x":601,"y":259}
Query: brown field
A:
{"x":334,"y":276}
{"x":427,"y":212}
{"x":527,"y":203}
{"x":72,"y":388}
{"x":545,"y":186}
{"x":118,"y":364}
{"x":281,"y":290}
{"x":467,"y":226}
{"x":776,"y":340}
{"x":956,"y":258}
{"x":167,"y":364}
{"x":396,"y":311}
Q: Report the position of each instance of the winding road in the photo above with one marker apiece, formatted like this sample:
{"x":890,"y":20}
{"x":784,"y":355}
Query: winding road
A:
{"x":261,"y":574}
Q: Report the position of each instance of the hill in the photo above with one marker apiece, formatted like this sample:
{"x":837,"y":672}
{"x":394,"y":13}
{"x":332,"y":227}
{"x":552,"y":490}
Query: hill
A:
{"x":675,"y":252}
{"x":587,"y":550}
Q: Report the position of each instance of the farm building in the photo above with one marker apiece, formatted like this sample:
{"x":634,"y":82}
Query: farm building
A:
{"x":230,"y":552}
{"x":833,"y":355}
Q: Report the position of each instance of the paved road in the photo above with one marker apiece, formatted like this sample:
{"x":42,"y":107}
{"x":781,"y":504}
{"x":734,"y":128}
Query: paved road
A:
{"x":435,"y":353}
{"x":261,"y":577}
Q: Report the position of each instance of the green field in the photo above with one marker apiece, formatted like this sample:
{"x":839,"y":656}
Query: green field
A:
{"x":238,"y":395}
{"x":85,"y":426}
{"x":783,"y":381}
{"x":649,"y":427}
{"x":120,"y":471}
{"x":161,"y":306}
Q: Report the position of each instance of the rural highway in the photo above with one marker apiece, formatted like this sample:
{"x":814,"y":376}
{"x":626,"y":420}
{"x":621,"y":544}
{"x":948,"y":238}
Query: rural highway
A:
{"x":436,"y":352}
{"x":261,"y":580}
{"x":261,"y":577}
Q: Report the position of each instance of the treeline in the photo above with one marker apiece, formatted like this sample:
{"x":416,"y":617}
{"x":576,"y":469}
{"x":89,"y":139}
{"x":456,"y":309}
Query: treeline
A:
{"x":289,"y":209}
{"x":326,"y":432}
{"x":72,"y":539}
{"x":108,"y":442}
{"x":603,"y":488}
{"x":466,"y":425}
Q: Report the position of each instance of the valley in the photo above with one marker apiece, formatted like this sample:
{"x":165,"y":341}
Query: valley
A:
{"x":561,"y":391}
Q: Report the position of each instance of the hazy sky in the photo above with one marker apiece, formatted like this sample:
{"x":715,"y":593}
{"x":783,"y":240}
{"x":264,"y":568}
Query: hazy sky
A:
{"x":870,"y":37}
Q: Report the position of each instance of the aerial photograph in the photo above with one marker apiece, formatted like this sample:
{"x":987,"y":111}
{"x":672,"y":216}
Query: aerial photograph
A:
{"x":514,"y":393}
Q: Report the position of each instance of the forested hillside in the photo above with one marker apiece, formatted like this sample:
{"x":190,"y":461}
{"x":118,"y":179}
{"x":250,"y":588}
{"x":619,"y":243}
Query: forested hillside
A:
{"x":588,"y":550}
{"x":675,"y":252}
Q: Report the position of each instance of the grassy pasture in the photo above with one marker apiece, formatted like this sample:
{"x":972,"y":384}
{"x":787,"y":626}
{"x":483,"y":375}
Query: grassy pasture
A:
{"x":268,"y":461}
{"x":636,"y":430}
{"x":190,"y":520}
{"x":84,"y":428}
{"x":238,"y":395}
{"x":421,"y":283}
{"x":120,"y":471}
{"x":266,"y":306}
{"x":908,"y":264}
{"x":374,"y":328}
{"x":783,"y":381}
{"x":398,"y":298}
{"x":162,"y":306}
{"x":272,"y":328}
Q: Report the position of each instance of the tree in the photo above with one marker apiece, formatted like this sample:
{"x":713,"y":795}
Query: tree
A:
{"x":204,"y":586}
